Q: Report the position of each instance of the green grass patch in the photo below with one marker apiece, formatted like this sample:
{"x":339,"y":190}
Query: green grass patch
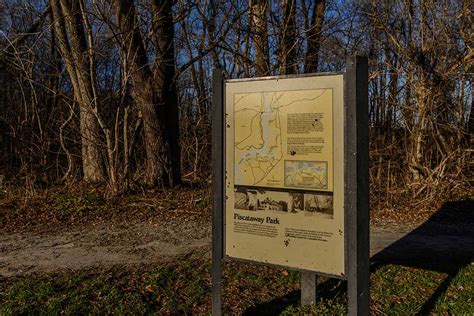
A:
{"x":332,"y":307}
{"x":398,"y":290}
{"x":204,"y":202}
{"x":75,"y":294}
{"x":184,"y":287}
{"x":66,"y":205}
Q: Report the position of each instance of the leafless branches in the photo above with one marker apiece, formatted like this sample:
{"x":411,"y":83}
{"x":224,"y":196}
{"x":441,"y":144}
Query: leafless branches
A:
{"x":119,"y":91}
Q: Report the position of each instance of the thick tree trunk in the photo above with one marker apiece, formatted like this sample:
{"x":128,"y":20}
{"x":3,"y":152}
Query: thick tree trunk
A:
{"x":314,"y":36}
{"x":211,"y":30}
{"x":164,"y":75}
{"x":258,"y":19}
{"x":287,"y":56}
{"x":91,"y":158}
{"x":154,"y":91}
{"x":72,"y":44}
{"x":156,"y":147}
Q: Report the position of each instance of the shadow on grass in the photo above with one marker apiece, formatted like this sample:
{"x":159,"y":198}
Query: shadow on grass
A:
{"x":444,"y":243}
{"x":327,"y":290}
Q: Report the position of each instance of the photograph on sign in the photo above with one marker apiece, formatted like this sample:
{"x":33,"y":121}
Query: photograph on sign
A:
{"x":297,"y":203}
{"x":284,"y":172}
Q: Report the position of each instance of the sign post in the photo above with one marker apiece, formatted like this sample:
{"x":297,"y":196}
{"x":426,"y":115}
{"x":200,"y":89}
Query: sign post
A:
{"x":356,"y":188}
{"x":308,"y":287}
{"x":217,"y":187}
{"x":290,"y":177}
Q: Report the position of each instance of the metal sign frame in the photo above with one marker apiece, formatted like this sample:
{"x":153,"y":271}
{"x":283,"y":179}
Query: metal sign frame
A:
{"x":356,"y":189}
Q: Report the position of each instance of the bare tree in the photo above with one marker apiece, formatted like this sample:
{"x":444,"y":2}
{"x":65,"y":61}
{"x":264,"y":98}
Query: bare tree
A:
{"x":148,"y":56}
{"x":75,"y":50}
{"x":153,"y":88}
{"x":288,"y":46}
{"x":258,"y":17}
{"x":428,"y":115}
{"x":314,"y":36}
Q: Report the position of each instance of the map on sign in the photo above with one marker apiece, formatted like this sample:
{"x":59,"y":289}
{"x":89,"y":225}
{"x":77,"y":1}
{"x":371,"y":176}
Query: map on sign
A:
{"x":308,"y":174}
{"x":276,"y":135}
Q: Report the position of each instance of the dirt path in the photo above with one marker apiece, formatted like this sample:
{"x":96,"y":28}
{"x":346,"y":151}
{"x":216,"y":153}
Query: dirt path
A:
{"x":27,"y":253}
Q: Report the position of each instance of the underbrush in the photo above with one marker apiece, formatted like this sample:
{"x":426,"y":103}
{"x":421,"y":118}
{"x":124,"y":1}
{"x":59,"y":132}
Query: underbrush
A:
{"x":65,"y":206}
{"x":60,"y":206}
{"x":390,"y":198}
{"x":184,"y":287}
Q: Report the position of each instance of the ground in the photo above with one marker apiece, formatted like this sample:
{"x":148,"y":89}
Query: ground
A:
{"x":150,"y":252}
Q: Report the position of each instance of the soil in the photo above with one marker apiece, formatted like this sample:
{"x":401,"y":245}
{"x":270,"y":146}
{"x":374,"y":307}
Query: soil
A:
{"x":161,"y":235}
{"x":76,"y":249}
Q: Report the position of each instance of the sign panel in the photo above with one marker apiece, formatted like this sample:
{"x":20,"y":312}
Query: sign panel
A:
{"x":284,"y":172}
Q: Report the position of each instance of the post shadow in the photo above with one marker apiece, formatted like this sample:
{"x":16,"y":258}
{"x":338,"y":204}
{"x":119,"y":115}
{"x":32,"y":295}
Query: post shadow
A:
{"x":444,"y":243}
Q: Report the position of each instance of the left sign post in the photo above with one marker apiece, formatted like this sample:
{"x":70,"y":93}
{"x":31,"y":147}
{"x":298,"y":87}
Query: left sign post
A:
{"x":218,"y":180}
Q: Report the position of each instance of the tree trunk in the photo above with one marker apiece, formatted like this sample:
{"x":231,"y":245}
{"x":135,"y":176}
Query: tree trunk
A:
{"x":164,"y":75}
{"x":258,"y":21}
{"x":154,"y":91}
{"x":314,"y":36}
{"x":72,"y":44}
{"x":211,"y":30}
{"x":288,"y":45}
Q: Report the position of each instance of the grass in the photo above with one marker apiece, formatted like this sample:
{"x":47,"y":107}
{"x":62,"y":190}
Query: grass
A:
{"x":67,"y":205}
{"x":72,"y":294}
{"x":184,"y":287}
{"x":398,"y":290}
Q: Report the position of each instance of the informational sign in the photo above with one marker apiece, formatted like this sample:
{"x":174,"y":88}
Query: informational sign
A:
{"x":284,"y":168}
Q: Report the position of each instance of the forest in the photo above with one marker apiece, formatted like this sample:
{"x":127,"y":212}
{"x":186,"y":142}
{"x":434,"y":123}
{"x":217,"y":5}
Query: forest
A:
{"x":106,"y":159}
{"x":117,"y":93}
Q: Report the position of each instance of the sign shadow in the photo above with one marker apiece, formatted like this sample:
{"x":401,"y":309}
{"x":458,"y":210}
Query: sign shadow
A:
{"x":444,"y":243}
